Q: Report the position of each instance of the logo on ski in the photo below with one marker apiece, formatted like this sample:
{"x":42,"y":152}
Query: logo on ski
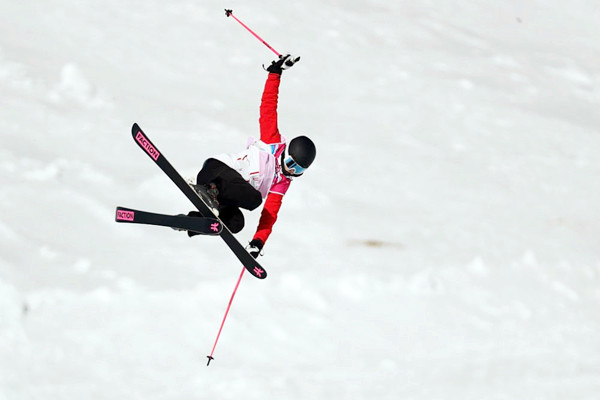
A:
{"x":146,"y":145}
{"x":258,"y":271}
{"x":215,"y":227}
{"x":123,"y":215}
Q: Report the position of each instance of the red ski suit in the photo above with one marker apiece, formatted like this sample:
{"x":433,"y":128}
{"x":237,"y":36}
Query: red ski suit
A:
{"x":269,"y":134}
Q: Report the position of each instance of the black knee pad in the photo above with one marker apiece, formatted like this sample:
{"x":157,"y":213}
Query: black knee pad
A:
{"x":256,"y":201}
{"x":232,"y":217}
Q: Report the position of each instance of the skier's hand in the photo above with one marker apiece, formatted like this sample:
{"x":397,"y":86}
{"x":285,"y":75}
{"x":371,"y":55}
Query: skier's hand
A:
{"x":254,"y":247}
{"x":284,"y":62}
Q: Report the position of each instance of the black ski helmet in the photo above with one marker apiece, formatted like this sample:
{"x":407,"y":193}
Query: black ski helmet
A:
{"x":298,"y":156}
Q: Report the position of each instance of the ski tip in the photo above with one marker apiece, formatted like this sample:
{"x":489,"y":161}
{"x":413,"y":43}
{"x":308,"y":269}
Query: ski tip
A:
{"x":210,"y":358}
{"x":135,"y":128}
{"x":258,"y":272}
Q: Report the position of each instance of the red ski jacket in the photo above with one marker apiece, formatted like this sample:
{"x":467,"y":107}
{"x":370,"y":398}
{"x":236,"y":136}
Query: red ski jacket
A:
{"x":269,"y":134}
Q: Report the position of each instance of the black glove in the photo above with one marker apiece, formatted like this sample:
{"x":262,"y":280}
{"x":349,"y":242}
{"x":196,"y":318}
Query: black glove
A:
{"x":254,"y":247}
{"x":284,"y":62}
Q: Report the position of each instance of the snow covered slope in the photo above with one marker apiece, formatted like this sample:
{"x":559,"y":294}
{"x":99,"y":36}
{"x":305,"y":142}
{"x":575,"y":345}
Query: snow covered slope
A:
{"x":445,"y":245}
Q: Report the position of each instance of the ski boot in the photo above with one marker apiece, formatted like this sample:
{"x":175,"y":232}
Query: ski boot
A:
{"x":208,"y":193}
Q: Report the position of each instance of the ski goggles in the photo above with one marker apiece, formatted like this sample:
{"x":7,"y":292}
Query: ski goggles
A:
{"x":293,"y":167}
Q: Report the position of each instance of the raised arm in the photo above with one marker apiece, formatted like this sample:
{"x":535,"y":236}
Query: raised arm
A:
{"x":269,"y":131}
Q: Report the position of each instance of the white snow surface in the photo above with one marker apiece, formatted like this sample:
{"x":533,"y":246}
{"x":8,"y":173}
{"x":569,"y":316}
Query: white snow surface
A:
{"x":445,"y":244}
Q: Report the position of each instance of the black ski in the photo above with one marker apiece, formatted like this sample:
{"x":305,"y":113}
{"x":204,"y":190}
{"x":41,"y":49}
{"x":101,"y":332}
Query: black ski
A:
{"x":151,"y":150}
{"x":205,"y":226}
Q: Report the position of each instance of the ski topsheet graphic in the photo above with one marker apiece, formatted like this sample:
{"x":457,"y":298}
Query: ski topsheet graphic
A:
{"x":159,"y":159}
{"x":205,"y":226}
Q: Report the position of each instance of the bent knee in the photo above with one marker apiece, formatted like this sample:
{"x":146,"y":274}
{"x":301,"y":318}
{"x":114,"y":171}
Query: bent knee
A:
{"x":255,"y":201}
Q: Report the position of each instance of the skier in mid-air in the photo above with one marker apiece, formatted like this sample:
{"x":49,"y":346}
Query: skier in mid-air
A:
{"x":264,"y":170}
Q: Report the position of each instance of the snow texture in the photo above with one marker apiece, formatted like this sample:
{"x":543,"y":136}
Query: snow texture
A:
{"x":445,"y":244}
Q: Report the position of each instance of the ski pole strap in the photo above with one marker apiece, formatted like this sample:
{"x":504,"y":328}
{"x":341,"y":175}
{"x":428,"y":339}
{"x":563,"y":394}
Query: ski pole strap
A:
{"x":229,"y":13}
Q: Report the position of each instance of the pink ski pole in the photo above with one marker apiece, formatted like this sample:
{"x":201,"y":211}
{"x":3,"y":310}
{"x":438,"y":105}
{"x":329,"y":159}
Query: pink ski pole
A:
{"x":210,"y":358}
{"x":229,"y":13}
